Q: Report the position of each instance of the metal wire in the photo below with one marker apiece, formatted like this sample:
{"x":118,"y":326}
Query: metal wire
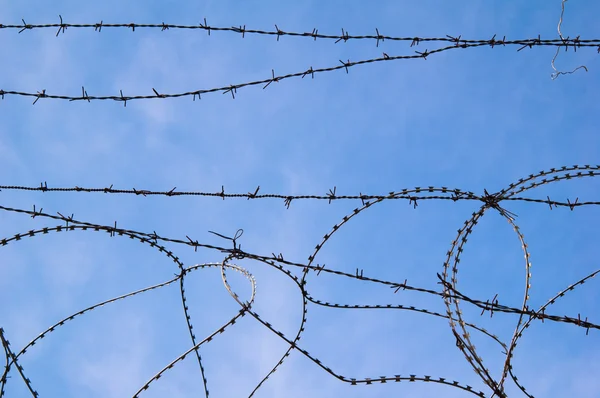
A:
{"x":450,"y":291}
{"x":448,"y":43}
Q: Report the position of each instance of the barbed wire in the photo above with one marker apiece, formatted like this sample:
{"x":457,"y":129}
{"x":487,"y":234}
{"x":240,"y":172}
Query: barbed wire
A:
{"x":454,"y":298}
{"x":457,"y":43}
{"x":314,"y":34}
{"x":413,"y":195}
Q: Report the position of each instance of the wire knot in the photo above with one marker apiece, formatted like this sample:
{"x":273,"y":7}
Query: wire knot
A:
{"x":493,"y":201}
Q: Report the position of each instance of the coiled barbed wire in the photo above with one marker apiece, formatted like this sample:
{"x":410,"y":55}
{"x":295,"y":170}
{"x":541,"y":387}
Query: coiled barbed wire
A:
{"x":454,"y":299}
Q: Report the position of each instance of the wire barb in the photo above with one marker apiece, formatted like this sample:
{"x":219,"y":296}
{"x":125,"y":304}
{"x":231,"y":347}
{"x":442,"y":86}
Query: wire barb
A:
{"x":62,"y":26}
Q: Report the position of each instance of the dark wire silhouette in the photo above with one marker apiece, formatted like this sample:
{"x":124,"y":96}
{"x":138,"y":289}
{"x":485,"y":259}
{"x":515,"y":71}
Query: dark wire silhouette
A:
{"x":450,"y":292}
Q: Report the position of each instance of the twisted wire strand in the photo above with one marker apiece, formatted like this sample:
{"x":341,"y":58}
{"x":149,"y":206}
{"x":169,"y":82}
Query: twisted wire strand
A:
{"x":343,"y":65}
{"x":412,"y":194}
{"x":314,"y":34}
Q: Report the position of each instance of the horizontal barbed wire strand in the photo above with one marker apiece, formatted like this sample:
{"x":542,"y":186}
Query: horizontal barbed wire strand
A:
{"x":410,"y":194}
{"x":314,"y":34}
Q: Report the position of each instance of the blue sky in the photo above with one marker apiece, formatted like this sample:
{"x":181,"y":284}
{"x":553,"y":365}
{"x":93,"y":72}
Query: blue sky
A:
{"x":471,"y":119}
